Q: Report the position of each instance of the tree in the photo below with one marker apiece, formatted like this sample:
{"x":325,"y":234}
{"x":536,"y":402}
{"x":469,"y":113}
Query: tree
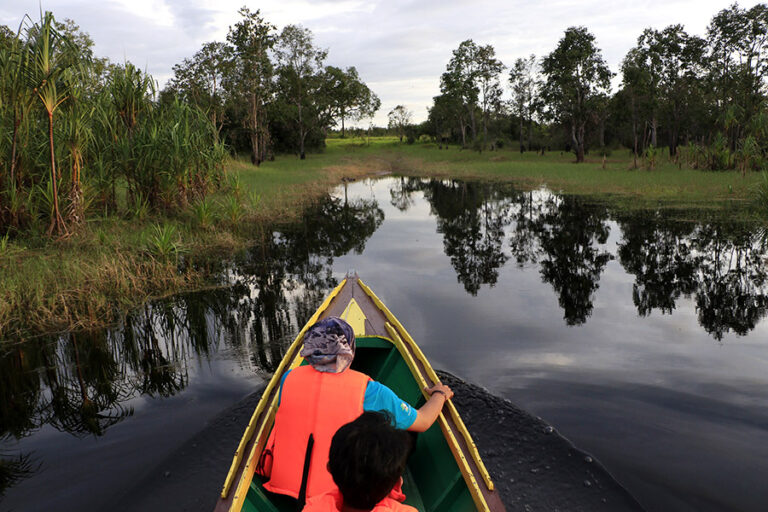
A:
{"x":665,"y":64}
{"x":16,"y":97}
{"x":488,"y":70}
{"x":399,"y":120}
{"x":250,"y":80}
{"x":738,"y":64}
{"x":635,"y":86}
{"x":444,"y":112}
{"x":199,"y":80}
{"x":576,"y":74}
{"x":51,"y":57}
{"x":459,"y":82}
{"x":300,"y":66}
{"x":525,"y":84}
{"x":348,"y":96}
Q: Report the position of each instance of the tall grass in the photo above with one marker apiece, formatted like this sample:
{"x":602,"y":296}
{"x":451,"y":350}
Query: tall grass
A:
{"x":74,"y":135}
{"x":164,"y":242}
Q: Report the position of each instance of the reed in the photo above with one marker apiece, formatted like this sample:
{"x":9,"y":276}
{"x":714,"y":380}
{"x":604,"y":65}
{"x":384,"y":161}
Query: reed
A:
{"x":74,"y":134}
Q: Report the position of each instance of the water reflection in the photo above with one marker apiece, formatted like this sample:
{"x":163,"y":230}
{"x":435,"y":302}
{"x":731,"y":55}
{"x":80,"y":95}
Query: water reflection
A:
{"x":83,"y":384}
{"x":86,"y":382}
{"x":471,"y":217}
{"x":719,"y":264}
{"x":567,"y":243}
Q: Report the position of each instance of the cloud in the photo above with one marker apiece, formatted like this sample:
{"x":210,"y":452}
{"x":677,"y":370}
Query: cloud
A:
{"x":400,"y":47}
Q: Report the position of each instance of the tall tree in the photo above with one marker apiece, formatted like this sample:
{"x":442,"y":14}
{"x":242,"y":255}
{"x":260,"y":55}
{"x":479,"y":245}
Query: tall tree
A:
{"x":300,"y":64}
{"x":399,"y":119}
{"x":348,"y":96}
{"x":636,"y":87}
{"x":576,"y":74}
{"x":668,"y":62}
{"x":51,"y":56}
{"x":460,"y":82}
{"x":489,"y":69}
{"x":446,"y":111}
{"x":16,"y":97}
{"x":738,"y":40}
{"x":525,"y":84}
{"x":199,"y":79}
{"x":250,"y":81}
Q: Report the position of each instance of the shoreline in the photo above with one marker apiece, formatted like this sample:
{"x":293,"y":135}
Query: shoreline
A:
{"x":92,"y":279}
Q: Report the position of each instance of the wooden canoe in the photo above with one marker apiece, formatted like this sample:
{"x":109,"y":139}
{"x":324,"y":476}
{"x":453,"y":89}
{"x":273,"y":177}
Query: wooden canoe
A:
{"x":445,"y":473}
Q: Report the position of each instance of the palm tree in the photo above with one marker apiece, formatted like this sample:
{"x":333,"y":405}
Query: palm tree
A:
{"x":78,"y":135}
{"x":50,"y":57}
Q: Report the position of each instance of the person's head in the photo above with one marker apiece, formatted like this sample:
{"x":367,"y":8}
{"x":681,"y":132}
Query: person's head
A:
{"x":367,"y":459}
{"x":329,"y":345}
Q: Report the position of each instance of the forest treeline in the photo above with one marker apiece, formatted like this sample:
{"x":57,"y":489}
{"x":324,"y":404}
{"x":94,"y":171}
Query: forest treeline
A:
{"x":706,"y":94}
{"x":80,"y":135}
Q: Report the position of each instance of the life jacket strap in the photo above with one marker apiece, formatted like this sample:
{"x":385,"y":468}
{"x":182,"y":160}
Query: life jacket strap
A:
{"x":305,"y":472}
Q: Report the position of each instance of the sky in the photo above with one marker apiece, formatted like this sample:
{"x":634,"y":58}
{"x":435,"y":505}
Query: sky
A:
{"x":400,"y":48}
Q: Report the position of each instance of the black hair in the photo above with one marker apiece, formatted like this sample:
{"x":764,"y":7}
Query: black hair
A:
{"x":367,"y":459}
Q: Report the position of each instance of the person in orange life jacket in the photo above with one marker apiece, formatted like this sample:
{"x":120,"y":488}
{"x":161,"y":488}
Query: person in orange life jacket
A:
{"x":316,"y":399}
{"x":367,"y":459}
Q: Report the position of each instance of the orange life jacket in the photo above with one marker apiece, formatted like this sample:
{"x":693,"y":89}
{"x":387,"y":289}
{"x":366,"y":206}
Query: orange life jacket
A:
{"x":315,"y":403}
{"x":332,"y":502}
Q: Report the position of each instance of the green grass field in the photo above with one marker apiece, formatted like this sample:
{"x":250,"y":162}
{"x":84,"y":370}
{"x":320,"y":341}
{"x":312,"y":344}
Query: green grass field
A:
{"x":668,"y":184}
{"x":113,"y":264}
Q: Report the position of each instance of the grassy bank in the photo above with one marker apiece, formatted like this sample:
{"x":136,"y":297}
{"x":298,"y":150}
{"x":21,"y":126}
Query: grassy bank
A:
{"x":115,"y":263}
{"x":668,"y":184}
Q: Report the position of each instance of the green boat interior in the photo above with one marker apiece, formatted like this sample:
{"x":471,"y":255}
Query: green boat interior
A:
{"x":433,"y":481}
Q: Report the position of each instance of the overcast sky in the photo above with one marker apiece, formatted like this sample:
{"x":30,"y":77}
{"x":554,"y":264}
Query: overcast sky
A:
{"x":399,"y":47}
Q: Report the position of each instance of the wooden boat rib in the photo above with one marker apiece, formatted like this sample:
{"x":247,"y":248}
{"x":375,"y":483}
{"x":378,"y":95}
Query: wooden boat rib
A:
{"x":445,"y":473}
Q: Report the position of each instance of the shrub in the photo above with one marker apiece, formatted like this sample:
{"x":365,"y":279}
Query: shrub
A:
{"x":203,"y":212}
{"x":718,"y":154}
{"x":164,"y":242}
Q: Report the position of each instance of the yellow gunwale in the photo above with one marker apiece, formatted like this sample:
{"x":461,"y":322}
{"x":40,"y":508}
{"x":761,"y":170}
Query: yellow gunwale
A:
{"x":432,"y":375}
{"x":466,"y":471}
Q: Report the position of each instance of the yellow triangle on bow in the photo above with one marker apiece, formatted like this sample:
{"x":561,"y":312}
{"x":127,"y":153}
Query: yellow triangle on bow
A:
{"x":355,"y":317}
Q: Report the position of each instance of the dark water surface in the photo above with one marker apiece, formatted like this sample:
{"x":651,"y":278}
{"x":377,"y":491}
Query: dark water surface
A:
{"x":639,"y":336}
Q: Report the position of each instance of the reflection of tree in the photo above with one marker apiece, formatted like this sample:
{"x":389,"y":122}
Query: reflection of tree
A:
{"x":568,"y":231}
{"x":472,"y":219}
{"x":718,"y":263}
{"x":20,"y":397}
{"x":20,"y":392}
{"x":87,"y":393}
{"x":13,"y":469}
{"x":659,"y":253}
{"x":731,"y":295}
{"x":523,"y":239}
{"x":82,"y":383}
{"x":401,"y":193}
{"x":297,"y":263}
{"x":562,"y":235}
{"x":158,"y":374}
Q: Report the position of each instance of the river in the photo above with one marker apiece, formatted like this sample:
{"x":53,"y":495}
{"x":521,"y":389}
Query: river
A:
{"x":639,"y":335}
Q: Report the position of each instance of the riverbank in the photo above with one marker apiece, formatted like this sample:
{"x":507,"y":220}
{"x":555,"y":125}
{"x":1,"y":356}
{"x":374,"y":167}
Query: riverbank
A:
{"x":115,"y":263}
{"x":668,"y":184}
